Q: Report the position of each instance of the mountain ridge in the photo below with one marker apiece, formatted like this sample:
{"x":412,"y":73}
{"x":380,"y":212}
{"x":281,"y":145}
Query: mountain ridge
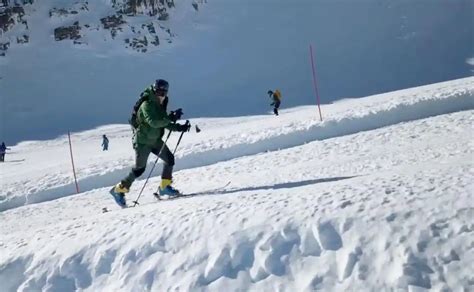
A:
{"x":139,"y":26}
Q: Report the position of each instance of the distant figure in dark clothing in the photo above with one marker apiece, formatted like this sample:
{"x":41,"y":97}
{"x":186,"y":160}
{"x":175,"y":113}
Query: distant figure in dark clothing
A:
{"x":3,"y":150}
{"x":276,"y":100}
{"x":105,"y":143}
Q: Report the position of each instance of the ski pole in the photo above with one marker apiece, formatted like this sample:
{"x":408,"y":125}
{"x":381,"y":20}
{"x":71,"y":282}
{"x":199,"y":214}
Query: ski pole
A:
{"x":154,"y":164}
{"x":180,"y":137}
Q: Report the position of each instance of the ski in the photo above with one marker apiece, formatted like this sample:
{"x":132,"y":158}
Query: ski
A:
{"x":180,"y":196}
{"x":185,"y":195}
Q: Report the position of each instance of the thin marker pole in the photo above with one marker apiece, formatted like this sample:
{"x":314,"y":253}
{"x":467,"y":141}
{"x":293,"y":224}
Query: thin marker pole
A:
{"x":72,"y":160}
{"x":314,"y":81}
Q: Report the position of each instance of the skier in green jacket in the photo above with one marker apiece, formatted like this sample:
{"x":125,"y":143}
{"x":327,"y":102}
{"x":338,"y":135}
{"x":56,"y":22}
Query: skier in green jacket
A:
{"x":151,"y":121}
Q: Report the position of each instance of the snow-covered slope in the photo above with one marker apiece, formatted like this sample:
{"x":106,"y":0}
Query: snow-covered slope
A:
{"x":222,"y":139}
{"x":378,"y":197}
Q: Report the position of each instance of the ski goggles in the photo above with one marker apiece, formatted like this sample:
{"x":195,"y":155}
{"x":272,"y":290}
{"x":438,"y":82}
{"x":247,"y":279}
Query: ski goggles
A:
{"x":161,"y":92}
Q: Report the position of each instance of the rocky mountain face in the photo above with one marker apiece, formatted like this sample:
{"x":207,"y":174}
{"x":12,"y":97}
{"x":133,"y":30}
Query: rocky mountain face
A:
{"x":140,"y":25}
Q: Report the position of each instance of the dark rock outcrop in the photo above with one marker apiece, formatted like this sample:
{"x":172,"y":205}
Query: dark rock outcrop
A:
{"x":72,"y":32}
{"x":4,"y":48}
{"x":113,"y":23}
{"x":139,"y":44}
{"x":24,"y":39}
{"x":155,"y":41}
{"x":11,"y":16}
{"x":150,"y":29}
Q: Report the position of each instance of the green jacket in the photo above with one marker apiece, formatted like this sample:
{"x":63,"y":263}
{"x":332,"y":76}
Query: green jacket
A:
{"x":152,"y":120}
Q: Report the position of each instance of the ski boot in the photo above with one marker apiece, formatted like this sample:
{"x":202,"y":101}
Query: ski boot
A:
{"x":167,"y":190}
{"x":118,"y":192}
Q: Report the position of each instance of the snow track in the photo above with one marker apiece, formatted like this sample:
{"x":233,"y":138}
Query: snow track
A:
{"x":250,"y":136}
{"x":382,"y":209}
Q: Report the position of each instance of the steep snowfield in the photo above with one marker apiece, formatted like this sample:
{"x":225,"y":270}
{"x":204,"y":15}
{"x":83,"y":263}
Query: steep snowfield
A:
{"x":377,"y":197}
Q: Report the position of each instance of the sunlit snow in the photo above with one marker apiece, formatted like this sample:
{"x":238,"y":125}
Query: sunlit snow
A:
{"x":377,"y":197}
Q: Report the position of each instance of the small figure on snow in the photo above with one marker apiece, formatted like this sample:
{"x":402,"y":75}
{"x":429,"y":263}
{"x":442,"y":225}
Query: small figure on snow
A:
{"x":149,"y":120}
{"x":3,"y":150}
{"x":276,"y":100}
{"x":105,"y":143}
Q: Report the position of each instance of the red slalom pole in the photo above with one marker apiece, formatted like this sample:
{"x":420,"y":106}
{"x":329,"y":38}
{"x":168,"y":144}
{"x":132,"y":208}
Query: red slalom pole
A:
{"x":314,"y":81}
{"x":72,"y":160}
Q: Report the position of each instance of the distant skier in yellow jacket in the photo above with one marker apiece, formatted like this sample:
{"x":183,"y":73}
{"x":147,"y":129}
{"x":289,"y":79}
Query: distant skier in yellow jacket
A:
{"x":276,"y":100}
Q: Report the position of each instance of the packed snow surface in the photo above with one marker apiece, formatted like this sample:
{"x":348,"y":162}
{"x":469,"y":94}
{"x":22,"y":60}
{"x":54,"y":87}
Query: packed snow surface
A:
{"x":376,"y":197}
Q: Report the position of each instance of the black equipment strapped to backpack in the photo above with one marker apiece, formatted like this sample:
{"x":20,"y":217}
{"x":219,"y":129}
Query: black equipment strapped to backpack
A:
{"x":134,"y":118}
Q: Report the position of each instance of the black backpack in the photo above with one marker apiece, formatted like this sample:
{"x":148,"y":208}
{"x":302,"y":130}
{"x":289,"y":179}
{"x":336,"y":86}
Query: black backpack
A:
{"x":134,"y":119}
{"x":143,"y":96}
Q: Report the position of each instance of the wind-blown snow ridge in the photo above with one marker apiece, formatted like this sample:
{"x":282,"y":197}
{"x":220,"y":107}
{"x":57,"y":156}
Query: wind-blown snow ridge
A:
{"x":332,"y":128}
{"x":295,"y":129}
